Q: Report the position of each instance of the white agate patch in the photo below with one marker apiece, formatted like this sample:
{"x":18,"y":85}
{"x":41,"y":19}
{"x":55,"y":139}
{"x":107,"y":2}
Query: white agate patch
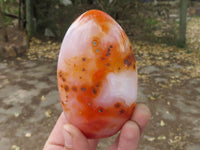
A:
{"x":122,"y":85}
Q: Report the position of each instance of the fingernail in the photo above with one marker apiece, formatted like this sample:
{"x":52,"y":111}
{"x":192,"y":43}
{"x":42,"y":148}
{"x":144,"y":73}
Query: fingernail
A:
{"x":67,"y":136}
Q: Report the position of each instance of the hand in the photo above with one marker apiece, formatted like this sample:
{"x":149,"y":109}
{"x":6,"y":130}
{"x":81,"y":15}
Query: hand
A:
{"x":67,"y":137}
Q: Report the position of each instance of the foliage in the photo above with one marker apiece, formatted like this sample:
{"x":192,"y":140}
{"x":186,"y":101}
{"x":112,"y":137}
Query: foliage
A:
{"x":45,"y":14}
{"x":139,"y":19}
{"x":9,"y":7}
{"x":49,"y":50}
{"x":142,"y":20}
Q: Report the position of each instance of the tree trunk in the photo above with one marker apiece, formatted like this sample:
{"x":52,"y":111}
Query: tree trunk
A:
{"x":19,"y":15}
{"x":29,"y":18}
{"x":3,"y":35}
{"x":24,"y":14}
{"x":182,"y":24}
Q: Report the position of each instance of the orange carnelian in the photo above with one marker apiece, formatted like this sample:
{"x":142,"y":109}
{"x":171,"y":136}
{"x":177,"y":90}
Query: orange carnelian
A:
{"x":97,"y":77}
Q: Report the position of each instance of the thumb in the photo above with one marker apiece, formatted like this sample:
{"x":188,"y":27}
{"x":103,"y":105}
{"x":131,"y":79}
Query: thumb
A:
{"x":74,"y":138}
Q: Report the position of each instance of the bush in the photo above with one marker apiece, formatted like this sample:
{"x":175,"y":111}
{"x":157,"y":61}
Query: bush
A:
{"x":140,"y":20}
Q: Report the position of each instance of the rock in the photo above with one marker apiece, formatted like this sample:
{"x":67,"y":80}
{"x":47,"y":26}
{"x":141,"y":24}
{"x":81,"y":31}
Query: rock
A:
{"x":48,"y":33}
{"x":65,"y":2}
{"x":17,"y":44}
{"x":12,"y":50}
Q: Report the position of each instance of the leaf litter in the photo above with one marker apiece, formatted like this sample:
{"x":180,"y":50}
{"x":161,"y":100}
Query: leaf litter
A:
{"x":184,"y":62}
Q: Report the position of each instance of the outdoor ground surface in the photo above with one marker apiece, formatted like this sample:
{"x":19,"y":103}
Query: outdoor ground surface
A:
{"x":169,"y":84}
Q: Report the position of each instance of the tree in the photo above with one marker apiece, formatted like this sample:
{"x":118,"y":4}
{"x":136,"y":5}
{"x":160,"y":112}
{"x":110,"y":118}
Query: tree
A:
{"x":29,"y":18}
{"x":182,"y":24}
{"x":21,"y":14}
{"x":3,"y":35}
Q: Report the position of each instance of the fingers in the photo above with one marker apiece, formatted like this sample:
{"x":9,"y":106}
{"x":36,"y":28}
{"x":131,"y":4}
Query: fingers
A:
{"x":141,"y":116}
{"x":132,"y":130}
{"x":69,"y":137}
{"x":74,"y":139}
{"x":93,"y":144}
{"x":56,"y":138}
{"x":129,"y":136}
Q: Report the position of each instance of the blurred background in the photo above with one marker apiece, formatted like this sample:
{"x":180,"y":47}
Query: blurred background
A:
{"x":165,"y":35}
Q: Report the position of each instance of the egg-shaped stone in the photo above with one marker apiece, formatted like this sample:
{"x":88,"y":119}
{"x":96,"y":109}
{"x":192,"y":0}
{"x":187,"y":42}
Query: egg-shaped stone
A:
{"x":96,"y":73}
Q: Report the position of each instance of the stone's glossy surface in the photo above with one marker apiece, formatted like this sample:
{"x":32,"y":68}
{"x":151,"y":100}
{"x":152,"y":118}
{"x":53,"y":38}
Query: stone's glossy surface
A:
{"x":97,"y":77}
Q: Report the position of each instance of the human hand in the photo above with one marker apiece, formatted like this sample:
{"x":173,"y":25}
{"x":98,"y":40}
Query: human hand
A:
{"x":67,"y":137}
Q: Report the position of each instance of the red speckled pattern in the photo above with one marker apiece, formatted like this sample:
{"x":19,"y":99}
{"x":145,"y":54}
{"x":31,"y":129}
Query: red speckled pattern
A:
{"x":97,"y":77}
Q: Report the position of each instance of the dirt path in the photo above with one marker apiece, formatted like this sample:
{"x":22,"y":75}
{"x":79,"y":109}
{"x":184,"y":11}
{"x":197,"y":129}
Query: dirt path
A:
{"x":169,"y":83}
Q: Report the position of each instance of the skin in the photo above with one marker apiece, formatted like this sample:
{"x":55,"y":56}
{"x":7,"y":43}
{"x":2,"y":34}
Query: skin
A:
{"x":67,"y":137}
